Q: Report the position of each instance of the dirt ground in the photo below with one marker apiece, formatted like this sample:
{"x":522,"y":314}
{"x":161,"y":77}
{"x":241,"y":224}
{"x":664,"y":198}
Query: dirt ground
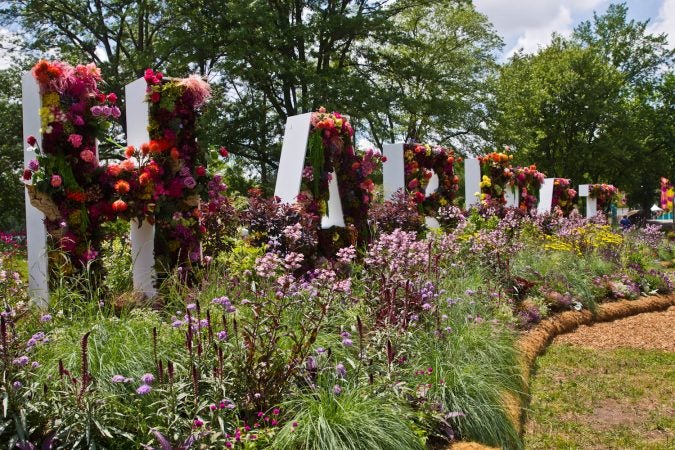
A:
{"x":650,"y":331}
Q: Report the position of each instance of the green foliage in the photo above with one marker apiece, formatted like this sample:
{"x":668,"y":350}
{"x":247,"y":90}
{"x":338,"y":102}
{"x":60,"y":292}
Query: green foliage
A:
{"x":354,"y":419}
{"x":473,"y":369}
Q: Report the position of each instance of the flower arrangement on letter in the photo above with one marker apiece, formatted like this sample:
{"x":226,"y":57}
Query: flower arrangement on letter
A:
{"x":528,"y":180}
{"x":604,"y":194}
{"x":667,"y":194}
{"x":65,"y":175}
{"x":563,"y":195}
{"x":421,"y":161}
{"x":497,"y":173}
{"x":330,"y":149}
{"x":182,"y":183}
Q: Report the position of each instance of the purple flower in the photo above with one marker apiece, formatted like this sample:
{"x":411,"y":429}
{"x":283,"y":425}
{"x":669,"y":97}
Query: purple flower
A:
{"x":46,"y":318}
{"x":115,"y":112}
{"x":147,"y":378}
{"x":21,"y":361}
{"x":192,"y":306}
{"x":96,"y":111}
{"x":347,"y":342}
{"x":337,"y":389}
{"x":143,"y":389}
{"x":426,"y":306}
{"x":222,"y":335}
{"x":34,"y":165}
{"x":189,"y":182}
{"x":17,"y":385}
{"x":35,"y":364}
{"x":118,"y":379}
{"x":340,"y":370}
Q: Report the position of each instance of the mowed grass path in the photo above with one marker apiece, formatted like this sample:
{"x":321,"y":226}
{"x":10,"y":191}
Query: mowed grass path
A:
{"x":585,"y":398}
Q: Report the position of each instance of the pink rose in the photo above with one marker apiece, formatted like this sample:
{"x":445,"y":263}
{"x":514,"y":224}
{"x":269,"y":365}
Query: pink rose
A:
{"x":75,"y":140}
{"x":87,"y":156}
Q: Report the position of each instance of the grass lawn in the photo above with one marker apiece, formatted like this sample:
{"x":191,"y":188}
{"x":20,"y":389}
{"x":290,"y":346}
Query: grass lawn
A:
{"x":599,"y":399}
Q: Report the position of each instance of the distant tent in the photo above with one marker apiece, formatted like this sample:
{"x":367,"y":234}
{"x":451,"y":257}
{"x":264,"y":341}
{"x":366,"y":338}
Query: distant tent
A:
{"x":655,"y":208}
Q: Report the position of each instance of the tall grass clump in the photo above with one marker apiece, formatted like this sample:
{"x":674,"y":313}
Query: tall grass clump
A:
{"x":351,"y":420}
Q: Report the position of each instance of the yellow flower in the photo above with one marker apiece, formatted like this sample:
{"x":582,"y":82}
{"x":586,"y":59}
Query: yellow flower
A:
{"x":487,"y":182}
{"x":51,"y":99}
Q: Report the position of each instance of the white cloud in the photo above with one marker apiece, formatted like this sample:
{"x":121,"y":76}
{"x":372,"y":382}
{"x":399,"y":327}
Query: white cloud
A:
{"x":528,"y":24}
{"x":665,"y":21}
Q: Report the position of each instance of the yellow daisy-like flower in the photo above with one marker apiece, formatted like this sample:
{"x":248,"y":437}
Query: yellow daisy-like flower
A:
{"x":51,"y":99}
{"x":487,"y":182}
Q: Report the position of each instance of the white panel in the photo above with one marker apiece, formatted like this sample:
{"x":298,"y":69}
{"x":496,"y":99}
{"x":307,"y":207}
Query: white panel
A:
{"x":143,"y":257}
{"x":471,"y":182}
{"x":393,"y":169}
{"x":335,"y":216}
{"x":512,"y":196}
{"x":545,"y":196}
{"x":584,"y":190}
{"x":36,"y":234}
{"x":143,"y":238}
{"x":292,"y":162}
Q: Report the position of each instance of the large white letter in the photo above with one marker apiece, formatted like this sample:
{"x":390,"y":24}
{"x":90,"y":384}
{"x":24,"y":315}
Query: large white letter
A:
{"x":591,"y":202}
{"x":471,"y":182}
{"x":143,"y":236}
{"x":291,"y":164}
{"x":545,"y":196}
{"x":36,"y":234}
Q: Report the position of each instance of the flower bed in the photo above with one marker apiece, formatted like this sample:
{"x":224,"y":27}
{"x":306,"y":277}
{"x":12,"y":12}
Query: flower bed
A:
{"x":415,"y":344}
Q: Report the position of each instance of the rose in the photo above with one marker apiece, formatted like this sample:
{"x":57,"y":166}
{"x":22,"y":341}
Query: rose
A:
{"x":34,"y":165}
{"x":75,"y":140}
{"x":31,"y":141}
{"x":200,"y":171}
{"x":27,"y":174}
{"x":87,"y":156}
{"x":56,"y":181}
{"x":112,"y":97}
{"x":96,"y":111}
{"x":223,"y":152}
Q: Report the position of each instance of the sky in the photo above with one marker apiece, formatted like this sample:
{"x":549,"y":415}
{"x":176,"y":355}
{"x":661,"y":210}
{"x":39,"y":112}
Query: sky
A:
{"x":528,"y":24}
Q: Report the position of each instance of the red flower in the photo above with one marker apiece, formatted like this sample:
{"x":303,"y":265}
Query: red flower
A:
{"x":112,"y":97}
{"x":129,"y":151}
{"x":200,"y":171}
{"x":223,"y":152}
{"x":119,"y":206}
{"x":27,"y":174}
{"x":419,"y":197}
{"x":31,"y":141}
{"x":155,"y":97}
{"x":77,"y":196}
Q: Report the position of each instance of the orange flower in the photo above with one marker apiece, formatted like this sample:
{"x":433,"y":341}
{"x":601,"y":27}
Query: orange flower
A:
{"x":175,"y":154}
{"x":144,"y":178}
{"x":114,"y":169}
{"x":122,"y":187}
{"x":145,"y":148}
{"x":129,"y":152}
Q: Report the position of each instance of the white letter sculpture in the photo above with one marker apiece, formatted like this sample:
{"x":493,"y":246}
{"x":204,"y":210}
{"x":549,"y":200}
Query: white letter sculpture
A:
{"x":591,"y":202}
{"x":36,"y":233}
{"x":545,"y":196}
{"x":291,"y":164}
{"x":471,"y":182}
{"x":143,"y":236}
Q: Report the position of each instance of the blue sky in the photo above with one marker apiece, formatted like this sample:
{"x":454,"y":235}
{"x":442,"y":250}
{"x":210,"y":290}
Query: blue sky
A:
{"x":528,"y":24}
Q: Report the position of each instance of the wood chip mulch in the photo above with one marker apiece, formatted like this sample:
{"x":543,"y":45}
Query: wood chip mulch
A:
{"x":651,"y":331}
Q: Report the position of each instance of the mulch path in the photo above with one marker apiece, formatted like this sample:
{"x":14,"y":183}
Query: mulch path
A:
{"x":651,"y":331}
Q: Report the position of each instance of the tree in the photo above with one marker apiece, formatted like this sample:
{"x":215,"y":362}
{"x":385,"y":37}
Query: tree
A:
{"x":432,"y":75}
{"x":12,"y":215}
{"x":594,"y":107}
